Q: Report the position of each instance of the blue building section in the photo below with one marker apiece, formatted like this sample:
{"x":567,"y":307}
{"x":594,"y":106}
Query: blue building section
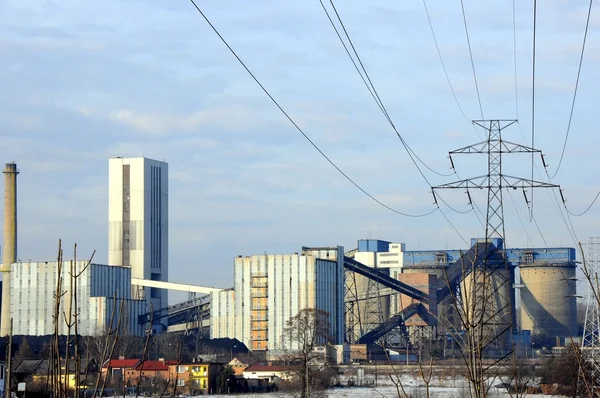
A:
{"x":431,"y":257}
{"x":373,"y":245}
{"x":516,"y":257}
{"x":542,"y":256}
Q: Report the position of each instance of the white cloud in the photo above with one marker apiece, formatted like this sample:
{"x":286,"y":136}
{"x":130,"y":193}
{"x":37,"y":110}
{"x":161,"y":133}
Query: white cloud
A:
{"x":161,"y":124}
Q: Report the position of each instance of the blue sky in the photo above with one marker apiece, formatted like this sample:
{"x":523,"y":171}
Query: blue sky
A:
{"x":85,"y":81}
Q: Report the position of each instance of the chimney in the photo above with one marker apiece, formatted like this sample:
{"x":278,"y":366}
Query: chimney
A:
{"x":10,"y":242}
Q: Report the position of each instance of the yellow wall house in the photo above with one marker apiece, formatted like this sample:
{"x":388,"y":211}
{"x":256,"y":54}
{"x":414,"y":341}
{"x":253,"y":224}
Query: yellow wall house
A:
{"x":38,"y":370}
{"x":196,"y":376}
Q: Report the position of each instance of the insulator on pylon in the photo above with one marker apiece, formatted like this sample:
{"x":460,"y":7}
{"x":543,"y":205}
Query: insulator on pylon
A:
{"x":544,"y":161}
{"x":561,"y":196}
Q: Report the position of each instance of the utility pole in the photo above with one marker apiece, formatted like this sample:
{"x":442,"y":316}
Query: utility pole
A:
{"x":8,"y":378}
{"x":590,"y":342}
{"x":490,"y":287}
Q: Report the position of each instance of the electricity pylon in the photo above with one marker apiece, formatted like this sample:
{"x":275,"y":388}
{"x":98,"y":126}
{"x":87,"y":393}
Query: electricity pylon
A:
{"x":489,"y":286}
{"x":590,"y":341}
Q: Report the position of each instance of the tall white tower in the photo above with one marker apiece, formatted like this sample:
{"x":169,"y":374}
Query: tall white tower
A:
{"x":138,"y":222}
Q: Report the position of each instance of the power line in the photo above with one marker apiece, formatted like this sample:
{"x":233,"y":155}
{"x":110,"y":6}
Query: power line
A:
{"x":372,"y":90}
{"x":471,"y":55}
{"x":444,"y":68}
{"x":442,"y":62}
{"x":452,"y":208}
{"x":586,"y":210}
{"x":453,"y":227}
{"x":519,"y":215}
{"x":533,"y":100}
{"x":298,"y":127}
{"x":587,"y":24}
{"x":515,"y":60}
{"x":378,"y":100}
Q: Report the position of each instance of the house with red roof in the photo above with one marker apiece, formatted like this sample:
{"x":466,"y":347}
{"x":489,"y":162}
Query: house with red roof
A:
{"x":134,"y":371}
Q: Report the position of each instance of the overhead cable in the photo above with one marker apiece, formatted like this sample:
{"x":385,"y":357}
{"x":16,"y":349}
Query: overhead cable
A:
{"x":378,"y":100}
{"x":442,"y":62}
{"x":298,"y":127}
{"x":533,"y":101}
{"x":453,"y":227}
{"x":362,"y":71}
{"x":583,"y":212}
{"x":562,"y":154}
{"x":439,"y":52}
{"x":514,"y":17}
{"x":471,"y":55}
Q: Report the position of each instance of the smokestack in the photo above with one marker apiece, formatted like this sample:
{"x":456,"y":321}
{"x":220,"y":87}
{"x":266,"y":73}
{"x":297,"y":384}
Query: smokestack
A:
{"x":10,"y":242}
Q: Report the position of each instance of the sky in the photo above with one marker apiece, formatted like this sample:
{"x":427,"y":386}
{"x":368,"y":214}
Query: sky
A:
{"x":85,"y":81}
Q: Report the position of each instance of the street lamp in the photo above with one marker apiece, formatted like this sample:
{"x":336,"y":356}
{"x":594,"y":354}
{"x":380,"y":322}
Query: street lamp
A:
{"x":231,"y":352}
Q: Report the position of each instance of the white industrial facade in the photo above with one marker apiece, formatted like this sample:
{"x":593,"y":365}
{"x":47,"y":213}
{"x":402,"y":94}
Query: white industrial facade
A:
{"x":389,"y":262}
{"x":271,"y":289}
{"x":222,"y":313}
{"x":100,"y":291}
{"x":138,"y":221}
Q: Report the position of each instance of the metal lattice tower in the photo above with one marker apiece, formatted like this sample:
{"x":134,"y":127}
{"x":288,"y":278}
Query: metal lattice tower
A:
{"x":591,"y":331}
{"x":373,"y":308}
{"x":489,"y":289}
{"x":354,"y":328}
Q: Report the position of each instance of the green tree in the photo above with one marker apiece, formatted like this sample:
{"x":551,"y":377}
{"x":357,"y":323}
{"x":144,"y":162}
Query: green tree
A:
{"x":224,"y":379}
{"x":23,"y":352}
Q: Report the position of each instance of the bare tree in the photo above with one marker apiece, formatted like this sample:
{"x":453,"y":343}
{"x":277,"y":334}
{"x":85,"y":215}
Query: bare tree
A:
{"x":521,"y":377}
{"x":476,"y":330}
{"x":303,"y":333}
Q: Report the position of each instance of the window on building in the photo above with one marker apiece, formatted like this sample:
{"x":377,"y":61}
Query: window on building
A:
{"x":180,"y":369}
{"x":180,"y":382}
{"x":528,"y":257}
{"x":203,"y":383}
{"x":441,"y":258}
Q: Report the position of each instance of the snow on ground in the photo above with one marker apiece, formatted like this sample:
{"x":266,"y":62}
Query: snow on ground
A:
{"x":414,"y":387}
{"x":389,"y":391}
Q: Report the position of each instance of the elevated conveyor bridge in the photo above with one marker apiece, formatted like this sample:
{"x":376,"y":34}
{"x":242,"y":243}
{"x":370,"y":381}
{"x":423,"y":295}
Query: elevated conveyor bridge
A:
{"x":456,"y":272}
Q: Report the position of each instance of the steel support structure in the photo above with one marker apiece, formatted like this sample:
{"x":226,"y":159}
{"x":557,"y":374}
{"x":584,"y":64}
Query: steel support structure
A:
{"x":373,"y":307}
{"x":354,"y":327}
{"x":591,"y":331}
{"x":486,"y":295}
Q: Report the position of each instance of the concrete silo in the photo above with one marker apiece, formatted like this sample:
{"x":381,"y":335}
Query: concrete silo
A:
{"x":548,"y":299}
{"x":490,"y":289}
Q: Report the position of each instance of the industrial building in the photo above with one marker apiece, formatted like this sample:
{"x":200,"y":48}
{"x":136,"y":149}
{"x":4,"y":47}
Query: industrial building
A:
{"x":10,"y":241}
{"x":270,"y":289}
{"x":138,"y":223}
{"x":100,"y":295}
{"x":538,"y":283}
{"x":138,"y":258}
{"x":377,"y":291}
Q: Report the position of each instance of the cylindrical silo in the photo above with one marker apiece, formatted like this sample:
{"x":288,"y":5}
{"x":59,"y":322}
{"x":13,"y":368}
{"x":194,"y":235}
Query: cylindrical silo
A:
{"x":548,"y":300}
{"x":10,"y":241}
{"x":490,"y":290}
